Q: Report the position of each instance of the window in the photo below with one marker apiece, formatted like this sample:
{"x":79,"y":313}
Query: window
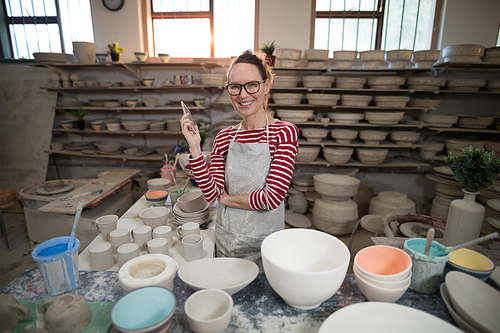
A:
{"x":203,"y":28}
{"x":374,"y":24}
{"x":45,"y":26}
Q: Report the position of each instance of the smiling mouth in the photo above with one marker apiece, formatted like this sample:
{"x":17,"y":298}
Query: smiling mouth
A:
{"x":246,"y":104}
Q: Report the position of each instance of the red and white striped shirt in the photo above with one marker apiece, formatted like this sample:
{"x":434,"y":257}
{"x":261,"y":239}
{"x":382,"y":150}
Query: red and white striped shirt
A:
{"x":283,"y":147}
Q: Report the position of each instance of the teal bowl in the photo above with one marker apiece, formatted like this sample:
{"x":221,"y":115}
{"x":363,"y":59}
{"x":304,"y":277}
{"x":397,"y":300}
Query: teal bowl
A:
{"x":147,"y":310}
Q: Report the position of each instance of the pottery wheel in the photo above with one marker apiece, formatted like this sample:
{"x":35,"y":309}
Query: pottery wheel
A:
{"x":417,"y":229}
{"x":297,"y":220}
{"x":67,"y":187}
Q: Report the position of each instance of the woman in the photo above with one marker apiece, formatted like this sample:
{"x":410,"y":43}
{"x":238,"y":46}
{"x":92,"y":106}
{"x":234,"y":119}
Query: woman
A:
{"x":251,"y":164}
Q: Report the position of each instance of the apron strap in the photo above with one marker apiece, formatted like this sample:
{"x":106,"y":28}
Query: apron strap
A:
{"x":239,"y":127}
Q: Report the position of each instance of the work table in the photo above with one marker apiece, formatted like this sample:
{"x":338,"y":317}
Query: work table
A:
{"x":257,"y":308}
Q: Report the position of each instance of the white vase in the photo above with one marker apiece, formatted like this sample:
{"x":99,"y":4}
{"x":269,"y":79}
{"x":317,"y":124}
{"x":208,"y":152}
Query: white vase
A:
{"x":464,"y":221}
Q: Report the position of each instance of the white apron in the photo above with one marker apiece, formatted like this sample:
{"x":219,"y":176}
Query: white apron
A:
{"x":239,"y":232}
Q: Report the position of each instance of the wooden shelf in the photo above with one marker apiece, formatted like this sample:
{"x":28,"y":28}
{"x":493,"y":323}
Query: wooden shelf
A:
{"x":126,"y":108}
{"x":388,"y":163}
{"x":359,"y":144}
{"x":332,"y":124}
{"x":373,"y":108}
{"x":404,"y":71}
{"x":458,"y":65}
{"x":143,"y":64}
{"x":132,"y":88}
{"x":106,"y":132}
{"x":152,"y":157}
{"x":463,"y":130}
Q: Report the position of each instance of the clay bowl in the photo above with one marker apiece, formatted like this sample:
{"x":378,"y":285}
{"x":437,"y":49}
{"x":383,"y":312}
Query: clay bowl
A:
{"x":296,"y":115}
{"x":405,"y":138}
{"x":314,"y":135}
{"x":150,"y":102}
{"x":131,"y":103}
{"x":391,"y":101}
{"x":372,"y":137}
{"x":227,"y":274}
{"x":431,"y":146}
{"x":131,"y":314}
{"x":287,"y":99}
{"x":337,"y":155}
{"x":383,"y":263}
{"x":141,"y":56}
{"x":191,"y":202}
{"x":424,"y":103}
{"x":439,"y":120}
{"x":384,"y":284}
{"x":136,"y":125}
{"x":305,"y":267}
{"x":109,"y":146}
{"x":157,"y":126}
{"x":113,"y":127}
{"x":281,"y":81}
{"x":374,"y":55}
{"x":475,"y":122}
{"x":384,"y":118}
{"x":377,"y":293}
{"x":350,"y":83}
{"x":398,"y":55}
{"x":345,"y":117}
{"x":391,"y":82}
{"x":372,"y":156}
{"x":343,"y":136}
{"x":344,"y":55}
{"x":155,"y":216}
{"x":318,"y":81}
{"x":426,"y":56}
{"x":355,"y":100}
{"x":156,"y":197}
{"x":470,"y":262}
{"x":336,"y":187}
{"x":158,"y":184}
{"x":322,"y":99}
{"x":209,"y":310}
{"x":307,"y":154}
{"x":148,"y":82}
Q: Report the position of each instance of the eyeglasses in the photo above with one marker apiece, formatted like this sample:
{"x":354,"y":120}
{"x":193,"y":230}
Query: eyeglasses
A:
{"x":251,"y":87}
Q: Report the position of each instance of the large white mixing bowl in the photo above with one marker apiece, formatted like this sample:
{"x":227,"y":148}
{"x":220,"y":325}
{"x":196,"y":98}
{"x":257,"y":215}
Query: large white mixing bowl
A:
{"x":305,"y":267}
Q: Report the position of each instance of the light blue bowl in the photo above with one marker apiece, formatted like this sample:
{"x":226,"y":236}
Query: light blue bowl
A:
{"x":147,"y":309}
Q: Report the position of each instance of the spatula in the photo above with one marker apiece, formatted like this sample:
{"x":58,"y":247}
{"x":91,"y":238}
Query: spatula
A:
{"x":428,"y":242}
{"x":79,"y":209}
{"x":472,"y":242}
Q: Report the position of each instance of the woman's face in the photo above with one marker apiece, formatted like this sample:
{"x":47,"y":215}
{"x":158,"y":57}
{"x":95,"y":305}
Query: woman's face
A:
{"x":247,"y":104}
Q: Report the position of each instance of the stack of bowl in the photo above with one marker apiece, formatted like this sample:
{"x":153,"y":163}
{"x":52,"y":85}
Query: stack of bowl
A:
{"x":287,"y":99}
{"x":425,"y":83}
{"x":386,"y":82}
{"x":335,"y":212}
{"x":282,"y":81}
{"x":294,"y":116}
{"x":318,"y":81}
{"x":371,"y":59}
{"x":425,"y":59}
{"x":158,"y":184}
{"x":463,"y":53}
{"x":191,"y":207}
{"x":391,"y":202}
{"x":344,"y":59}
{"x":398,"y":59}
{"x":383,"y":273}
{"x":297,"y":201}
{"x":446,"y":189}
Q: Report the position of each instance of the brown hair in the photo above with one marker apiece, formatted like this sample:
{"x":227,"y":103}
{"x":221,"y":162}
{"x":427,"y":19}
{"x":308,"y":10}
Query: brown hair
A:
{"x":258,"y":60}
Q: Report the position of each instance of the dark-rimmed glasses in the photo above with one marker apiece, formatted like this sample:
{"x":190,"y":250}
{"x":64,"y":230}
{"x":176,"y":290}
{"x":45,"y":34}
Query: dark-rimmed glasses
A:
{"x":252,"y":87}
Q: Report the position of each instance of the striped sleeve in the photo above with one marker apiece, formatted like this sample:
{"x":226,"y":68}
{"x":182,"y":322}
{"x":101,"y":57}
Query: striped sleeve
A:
{"x":285,"y":147}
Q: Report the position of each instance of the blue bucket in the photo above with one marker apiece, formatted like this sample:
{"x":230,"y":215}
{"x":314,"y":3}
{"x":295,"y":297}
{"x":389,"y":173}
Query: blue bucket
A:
{"x":59,"y":271}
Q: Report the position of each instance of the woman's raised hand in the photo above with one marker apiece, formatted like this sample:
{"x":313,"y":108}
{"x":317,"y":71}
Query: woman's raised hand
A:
{"x":193,"y":140}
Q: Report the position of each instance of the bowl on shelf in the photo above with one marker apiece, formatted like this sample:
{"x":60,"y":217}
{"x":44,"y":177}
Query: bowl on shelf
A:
{"x":66,"y":124}
{"x":322,"y":99}
{"x":149,"y":81}
{"x":288,"y":54}
{"x":391,"y":101}
{"x":97,"y":125}
{"x":355,"y":100}
{"x":386,"y":82}
{"x":109,"y":146}
{"x":405,"y":138}
{"x":131,"y":151}
{"x":294,"y":115}
{"x":426,"y":56}
{"x":307,"y":154}
{"x":372,"y":137}
{"x":475,"y":122}
{"x":439,"y":120}
{"x":199,"y":102}
{"x":164,"y":57}
{"x":131,"y":103}
{"x":373,"y":55}
{"x":344,"y":55}
{"x":314,"y":135}
{"x":318,"y":81}
{"x":287,"y":99}
{"x":339,"y":155}
{"x":371,"y":156}
{"x":398,"y":55}
{"x":350,"y":83}
{"x":136,"y":125}
{"x":150,"y":102}
{"x":113,"y":127}
{"x":384,"y":118}
{"x":282,"y":81}
{"x":101,"y":57}
{"x":345,"y":117}
{"x":141,"y":56}
{"x":157,"y":126}
{"x":343,"y":136}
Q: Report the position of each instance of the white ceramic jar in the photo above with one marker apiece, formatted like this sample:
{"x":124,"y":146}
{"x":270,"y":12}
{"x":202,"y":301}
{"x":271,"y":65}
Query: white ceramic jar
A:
{"x":335,"y":217}
{"x":391,"y":202}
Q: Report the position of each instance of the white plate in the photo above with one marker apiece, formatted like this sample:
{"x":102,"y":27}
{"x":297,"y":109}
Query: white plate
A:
{"x":228,"y":274}
{"x":417,"y":229}
{"x":381,"y":317}
{"x":459,"y":321}
{"x":297,"y":220}
{"x":475,"y":301}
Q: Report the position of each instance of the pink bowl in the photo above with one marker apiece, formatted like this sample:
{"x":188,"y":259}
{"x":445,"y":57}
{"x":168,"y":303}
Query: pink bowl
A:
{"x":385,"y":263}
{"x":383,"y":284}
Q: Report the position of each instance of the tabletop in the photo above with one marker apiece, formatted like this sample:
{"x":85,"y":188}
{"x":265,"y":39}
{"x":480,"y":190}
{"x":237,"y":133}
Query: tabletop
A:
{"x":257,"y":308}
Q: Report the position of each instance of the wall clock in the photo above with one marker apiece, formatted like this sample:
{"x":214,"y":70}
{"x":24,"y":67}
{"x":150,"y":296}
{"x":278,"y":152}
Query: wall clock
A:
{"x":113,"y":5}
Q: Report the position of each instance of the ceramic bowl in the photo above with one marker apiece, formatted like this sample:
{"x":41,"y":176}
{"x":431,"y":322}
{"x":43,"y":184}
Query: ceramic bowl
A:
{"x":113,"y":127}
{"x":294,"y":115}
{"x":398,"y":55}
{"x":424,"y":103}
{"x":404,"y":138}
{"x":158,"y":184}
{"x":314,"y":54}
{"x":157,"y":126}
{"x":470,"y":262}
{"x":463,"y":49}
{"x":209,"y":310}
{"x":164,"y":57}
{"x":155,"y":216}
{"x":148,"y":82}
{"x":426,"y":55}
{"x":355,"y":100}
{"x":136,"y":125}
{"x":439,"y":120}
{"x":199,"y":102}
{"x":345,"y":55}
{"x":101,"y":57}
{"x":191,"y":202}
{"x":305,"y":267}
{"x":384,"y":284}
{"x":156,"y":197}
{"x":431,"y":146}
{"x":318,"y":81}
{"x":374,"y":55}
{"x":141,"y":56}
{"x":372,"y":156}
{"x":307,"y":154}
{"x":386,"y":81}
{"x":339,"y":155}
{"x":350,"y":82}
{"x":345,"y":117}
{"x":227,"y":274}
{"x":314,"y":134}
{"x":133,"y":314}
{"x":150,"y":102}
{"x":343,"y":136}
{"x":475,"y":122}
{"x":322,"y":99}
{"x":372,"y":137}
{"x":336,"y":187}
{"x":287,"y":99}
{"x":131,"y":103}
{"x":383,"y":263}
{"x":375,"y":293}
{"x":384,"y":118}
{"x":67,"y":124}
{"x":109,"y":146}
{"x":281,"y":81}
{"x":391,"y":101}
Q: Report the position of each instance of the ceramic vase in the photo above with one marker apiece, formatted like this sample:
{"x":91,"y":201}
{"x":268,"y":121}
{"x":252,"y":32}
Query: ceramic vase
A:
{"x":464,"y":221}
{"x":80,"y":123}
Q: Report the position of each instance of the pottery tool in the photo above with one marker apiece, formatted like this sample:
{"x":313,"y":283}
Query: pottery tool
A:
{"x":428,"y":243}
{"x":79,"y":209}
{"x":185,"y":110}
{"x":175,"y":180}
{"x":81,"y":195}
{"x":176,"y":159}
{"x":184,"y":187}
{"x":472,"y":242}
{"x":166,"y":159}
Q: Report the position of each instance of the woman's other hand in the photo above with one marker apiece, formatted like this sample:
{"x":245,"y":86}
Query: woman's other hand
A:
{"x":193,"y":140}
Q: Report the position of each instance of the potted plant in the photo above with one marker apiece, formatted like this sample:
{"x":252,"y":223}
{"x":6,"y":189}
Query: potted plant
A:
{"x":474,"y":170}
{"x":79,"y":114}
{"x":268,"y":49}
{"x":115,"y":51}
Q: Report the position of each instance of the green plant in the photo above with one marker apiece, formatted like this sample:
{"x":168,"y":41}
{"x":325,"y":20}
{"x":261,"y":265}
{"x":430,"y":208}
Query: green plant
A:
{"x":268,"y":48}
{"x":79,"y":113}
{"x":475,"y":169}
{"x":114,"y":49}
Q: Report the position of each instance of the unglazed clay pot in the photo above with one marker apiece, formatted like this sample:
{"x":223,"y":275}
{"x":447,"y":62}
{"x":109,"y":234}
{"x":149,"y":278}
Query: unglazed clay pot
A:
{"x":335,"y":217}
{"x":11,"y":312}
{"x":66,"y":314}
{"x":391,"y":202}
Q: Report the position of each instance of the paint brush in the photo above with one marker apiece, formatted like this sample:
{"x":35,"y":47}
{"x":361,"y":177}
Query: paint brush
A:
{"x":184,"y":187}
{"x":79,"y":209}
{"x":428,"y":242}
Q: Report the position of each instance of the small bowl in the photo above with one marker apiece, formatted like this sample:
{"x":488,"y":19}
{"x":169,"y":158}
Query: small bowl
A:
{"x":101,"y":57}
{"x":155,"y":216}
{"x":380,"y":294}
{"x":384,"y":263}
{"x":132,"y":314}
{"x":131,"y":103}
{"x":158,"y":184}
{"x":164,"y":57}
{"x":191,"y":202}
{"x":67,"y":124}
{"x":209,"y":310}
{"x":97,"y":127}
{"x":157,"y":197}
{"x":148,"y":81}
{"x":113,"y":127}
{"x":199,"y":102}
{"x":141,"y":56}
{"x":470,"y":262}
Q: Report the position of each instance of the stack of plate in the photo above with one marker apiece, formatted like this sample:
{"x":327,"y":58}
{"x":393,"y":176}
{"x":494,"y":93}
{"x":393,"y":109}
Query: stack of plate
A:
{"x":472,"y":303}
{"x":201,"y":216}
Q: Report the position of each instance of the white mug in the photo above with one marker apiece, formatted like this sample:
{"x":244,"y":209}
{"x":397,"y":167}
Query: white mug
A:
{"x":141,"y":235}
{"x":127,"y":252}
{"x":101,"y":257}
{"x":190,"y":228}
{"x":158,"y":245}
{"x":164,"y":231}
{"x":118,"y":237}
{"x":193,"y":247}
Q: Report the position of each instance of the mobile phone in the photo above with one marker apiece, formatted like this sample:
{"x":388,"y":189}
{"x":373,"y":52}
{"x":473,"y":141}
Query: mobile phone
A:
{"x":185,"y":110}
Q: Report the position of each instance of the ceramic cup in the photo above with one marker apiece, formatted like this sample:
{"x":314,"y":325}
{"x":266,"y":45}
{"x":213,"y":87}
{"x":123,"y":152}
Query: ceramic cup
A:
{"x":118,"y":237}
{"x":141,"y":236}
{"x":106,"y":223}
{"x":193,"y":247}
{"x":164,"y":231}
{"x":101,"y":257}
{"x":126,"y":252}
{"x":190,"y":228}
{"x":157,"y":245}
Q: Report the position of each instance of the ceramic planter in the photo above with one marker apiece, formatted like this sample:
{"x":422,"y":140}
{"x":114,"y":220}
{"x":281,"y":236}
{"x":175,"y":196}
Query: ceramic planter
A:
{"x":80,"y":123}
{"x":115,"y":56}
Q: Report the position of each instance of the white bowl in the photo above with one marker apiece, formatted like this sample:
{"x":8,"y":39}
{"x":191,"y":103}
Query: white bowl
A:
{"x":383,"y":263}
{"x":301,"y":115}
{"x":155,"y":216}
{"x":345,"y":118}
{"x":343,"y":136}
{"x":227,"y":274}
{"x":307,"y":154}
{"x":339,"y":155}
{"x":209,"y":310}
{"x":383,"y":284}
{"x":148,"y":270}
{"x":380,"y":294}
{"x":113,"y":127}
{"x":384,"y":118}
{"x":314,"y":54}
{"x":372,"y":156}
{"x":191,"y":201}
{"x":314,"y":134}
{"x":305,"y":267}
{"x":108,"y":146}
{"x":336,"y":187}
{"x":372,"y":137}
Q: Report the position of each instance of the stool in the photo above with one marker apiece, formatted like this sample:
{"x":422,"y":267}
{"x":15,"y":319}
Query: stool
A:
{"x":7,"y":199}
